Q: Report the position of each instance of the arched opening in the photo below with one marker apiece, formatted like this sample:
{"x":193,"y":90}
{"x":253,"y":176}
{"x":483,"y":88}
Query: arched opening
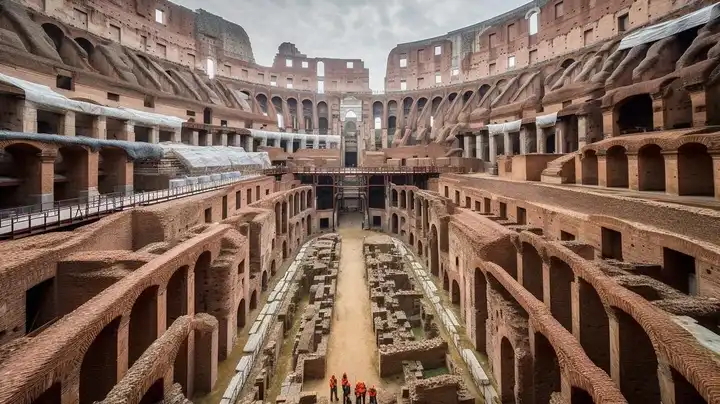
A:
{"x":638,"y":361}
{"x":394,"y":223}
{"x":284,"y":251}
{"x":143,"y":324}
{"x":112,"y":170}
{"x":434,"y":252}
{"x":55,"y":33}
{"x":403,"y":199}
{"x":284,"y":217}
{"x":560,"y":280}
{"x":323,"y":118}
{"x":181,"y":366}
{"x":177,"y":296}
{"x":685,"y":393}
{"x":549,"y":143}
{"x":20,"y":163}
{"x":98,"y":371}
{"x":71,"y":170}
{"x":210,"y":67}
{"x":594,"y":326}
{"x":507,"y":372}
{"x":53,"y":395}
{"x":263,"y":281}
{"x":412,"y":239}
{"x":455,"y":295}
{"x":241,"y":314}
{"x":273,"y":267}
{"x":86,"y":45}
{"x":651,"y":168}
{"x":532,"y":270}
{"x":695,"y":170}
{"x":635,"y":114}
{"x":546,"y":370}
{"x":201,"y":271}
{"x":253,"y":300}
{"x":420,"y":248}
{"x":309,"y":226}
{"x":263,"y":103}
{"x":617,"y":167}
{"x":207,"y":116}
{"x":307,"y":112}
{"x":481,"y":311}
{"x":580,"y":396}
{"x":533,"y":23}
{"x":394,"y":198}
{"x":321,"y":69}
{"x":155,"y":394}
{"x":677,"y":111}
{"x":446,"y":281}
{"x":589,"y":168}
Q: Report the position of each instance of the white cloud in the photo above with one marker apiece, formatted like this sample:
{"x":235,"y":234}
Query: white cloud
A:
{"x":365,"y":29}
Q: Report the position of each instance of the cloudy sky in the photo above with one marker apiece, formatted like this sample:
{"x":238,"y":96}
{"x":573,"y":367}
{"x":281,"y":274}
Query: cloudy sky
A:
{"x":365,"y":29}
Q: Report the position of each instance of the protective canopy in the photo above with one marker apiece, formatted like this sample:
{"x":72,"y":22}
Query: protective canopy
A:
{"x":266,"y":134}
{"x":669,"y":28}
{"x":216,"y":158}
{"x":507,"y":127}
{"x":546,"y":121}
{"x":44,"y":96}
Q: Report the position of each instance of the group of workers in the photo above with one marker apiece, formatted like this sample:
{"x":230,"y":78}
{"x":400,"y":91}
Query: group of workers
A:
{"x":360,"y":391}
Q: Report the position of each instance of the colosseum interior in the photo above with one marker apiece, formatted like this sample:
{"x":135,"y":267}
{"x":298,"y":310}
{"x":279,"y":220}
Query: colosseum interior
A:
{"x":528,"y":213}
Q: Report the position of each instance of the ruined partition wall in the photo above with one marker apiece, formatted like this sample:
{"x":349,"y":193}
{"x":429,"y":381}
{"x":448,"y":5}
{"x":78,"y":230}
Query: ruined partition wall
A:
{"x":141,"y":305}
{"x":555,"y":321}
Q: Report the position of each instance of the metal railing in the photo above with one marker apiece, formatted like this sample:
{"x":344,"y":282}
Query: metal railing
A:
{"x":33,"y":219}
{"x":364,"y":170}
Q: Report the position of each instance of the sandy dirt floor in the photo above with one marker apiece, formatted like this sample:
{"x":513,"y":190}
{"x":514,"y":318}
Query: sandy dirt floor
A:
{"x":352,"y":348}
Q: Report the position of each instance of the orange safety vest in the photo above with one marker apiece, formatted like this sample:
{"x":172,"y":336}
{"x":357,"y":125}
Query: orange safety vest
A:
{"x":333,"y":382}
{"x":372,"y":392}
{"x":345,"y":382}
{"x":362,"y":388}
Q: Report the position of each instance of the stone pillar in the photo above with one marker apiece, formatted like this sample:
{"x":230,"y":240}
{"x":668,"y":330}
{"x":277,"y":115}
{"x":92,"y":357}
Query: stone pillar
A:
{"x":716,"y":176}
{"x":698,"y":98}
{"x":303,"y":143}
{"x":236,"y":140}
{"x":466,"y":146}
{"x":43,"y":180}
{"x":480,"y":147}
{"x":610,"y":127}
{"x":289,"y":146}
{"x":582,"y":131}
{"x":154,"y":135}
{"x":248,"y":144}
{"x":206,"y":354}
{"x":523,"y":140}
{"x":633,"y":172}
{"x":541,"y":139}
{"x":316,"y":143}
{"x":602,"y":169}
{"x":658,"y":105}
{"x":507,"y":143}
{"x":128,"y":133}
{"x":208,"y":139}
{"x":99,"y":129}
{"x":67,"y":124}
{"x":176,"y":136}
{"x":26,"y":117}
{"x":561,"y":129}
{"x":195,"y":138}
{"x":493,"y":149}
{"x":91,"y":176}
{"x":264,"y":142}
{"x":223,"y":138}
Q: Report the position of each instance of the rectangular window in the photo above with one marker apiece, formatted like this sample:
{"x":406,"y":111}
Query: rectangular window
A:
{"x":162,"y":50}
{"x":403,"y":85}
{"x":305,"y":83}
{"x":565,"y":236}
{"x":64,"y":82}
{"x":191,"y":60}
{"x":288,"y":62}
{"x":305,"y":64}
{"x":403,"y":61}
{"x":420,"y":82}
{"x":143,"y":42}
{"x":244,"y":73}
{"x":81,"y":18}
{"x":159,"y":16}
{"x":511,"y":62}
{"x":533,"y":56}
{"x":350,"y":65}
{"x":321,"y":87}
{"x":492,"y":40}
{"x":503,"y":210}
{"x":273,"y":81}
{"x":289,"y":83}
{"x":421,"y":55}
{"x":611,"y":244}
{"x":623,"y":22}
{"x":455,"y":72}
{"x":228,"y":70}
{"x":115,"y":33}
{"x":559,"y":10}
{"x":587,"y":37}
{"x":249,"y":196}
{"x":113,"y":97}
{"x":511,"y":32}
{"x":208,"y":215}
{"x":257,"y":192}
{"x":492,"y":68}
{"x":261,"y":77}
{"x":521,"y":216}
{"x":438,"y":78}
{"x":438,"y":50}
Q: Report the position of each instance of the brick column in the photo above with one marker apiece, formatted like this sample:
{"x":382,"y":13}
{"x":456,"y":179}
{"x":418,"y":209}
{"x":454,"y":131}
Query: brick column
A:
{"x":208,"y":139}
{"x":633,"y":172}
{"x":316,"y":143}
{"x":698,"y":97}
{"x":195,"y":138}
{"x":493,"y":149}
{"x":602,"y":169}
{"x":248,"y":143}
{"x":541,"y":140}
{"x":128,"y":131}
{"x":582,"y":131}
{"x":466,"y":146}
{"x":523,"y":140}
{"x":658,"y":105}
{"x":670,"y":158}
{"x":25,"y":117}
{"x":67,"y":124}
{"x":206,"y":355}
{"x":99,"y":127}
{"x":609,"y":124}
{"x":480,"y":147}
{"x":92,"y":175}
{"x":716,"y":173}
{"x":507,"y":143}
{"x":223,"y":138}
{"x":176,"y":136}
{"x":154,"y":135}
{"x":289,"y":146}
{"x":42,"y":179}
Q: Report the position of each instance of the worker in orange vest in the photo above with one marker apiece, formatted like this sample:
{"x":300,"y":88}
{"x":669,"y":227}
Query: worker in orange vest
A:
{"x":358,"y":396}
{"x":346,"y":388}
{"x":363,"y":391}
{"x":373,"y":395}
{"x":333,"y":388}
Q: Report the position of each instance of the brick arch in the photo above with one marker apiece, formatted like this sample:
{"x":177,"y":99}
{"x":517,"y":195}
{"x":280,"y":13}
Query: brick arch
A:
{"x":41,"y":147}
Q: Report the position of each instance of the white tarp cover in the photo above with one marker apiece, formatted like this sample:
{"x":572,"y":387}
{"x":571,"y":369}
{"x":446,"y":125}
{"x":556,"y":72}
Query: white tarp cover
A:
{"x":216,"y":158}
{"x":267,"y":134}
{"x":668,"y":28}
{"x":45,"y":96}
{"x":135,"y":150}
{"x":243,"y":99}
{"x":507,"y":127}
{"x":546,"y":121}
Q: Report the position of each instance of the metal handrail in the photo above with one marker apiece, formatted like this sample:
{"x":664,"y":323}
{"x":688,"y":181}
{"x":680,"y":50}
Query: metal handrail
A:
{"x":361,"y":170}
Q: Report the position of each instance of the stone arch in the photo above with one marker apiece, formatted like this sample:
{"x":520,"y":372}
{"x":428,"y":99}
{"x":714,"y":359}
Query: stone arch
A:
{"x":617,"y":167}
{"x":155,"y":394}
{"x":435,"y":105}
{"x":434,"y":251}
{"x":278,"y":218}
{"x":481,"y":310}
{"x":546,"y":369}
{"x":262,"y":101}
{"x":307,"y":113}
{"x":98,"y":371}
{"x":253,"y":300}
{"x":589,"y":164}
{"x":532,"y":270}
{"x":177,"y":295}
{"x":394,"y":197}
{"x":560,"y":284}
{"x":407,"y":104}
{"x":143,"y":323}
{"x":55,"y":33}
{"x":284,"y":250}
{"x":638,"y":361}
{"x":394,"y":222}
{"x":685,"y":393}
{"x":651,"y":168}
{"x":71,"y":171}
{"x":466,"y":95}
{"x":403,"y":199}
{"x":323,"y":117}
{"x":87,"y":46}
{"x":22,"y":162}
{"x":695,"y":170}
{"x":634,"y":114}
{"x":532,"y":16}
{"x":446,"y":281}
{"x":241,"y":314}
{"x":507,"y":372}
{"x":309,"y":202}
{"x":567,"y":63}
{"x":201,"y":272}
{"x":420,"y":249}
{"x":412,"y":239}
{"x":264,"y":280}
{"x":455,"y":294}
{"x":309,"y":226}
{"x":112,"y":162}
{"x":292,"y":104}
{"x":580,"y":396}
{"x":421,"y":103}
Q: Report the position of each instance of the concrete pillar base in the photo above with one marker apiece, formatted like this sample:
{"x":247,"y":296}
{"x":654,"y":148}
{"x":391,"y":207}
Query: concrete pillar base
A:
{"x":91,"y":192}
{"x":43,"y":199}
{"x":126,"y":189}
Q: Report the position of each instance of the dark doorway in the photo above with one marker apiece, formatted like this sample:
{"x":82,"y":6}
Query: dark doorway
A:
{"x":40,"y":305}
